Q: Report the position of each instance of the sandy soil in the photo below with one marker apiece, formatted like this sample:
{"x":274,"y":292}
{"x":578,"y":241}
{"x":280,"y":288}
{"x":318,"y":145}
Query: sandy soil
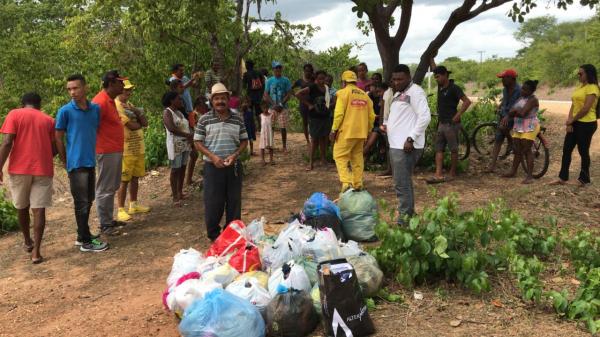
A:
{"x":118,"y":292}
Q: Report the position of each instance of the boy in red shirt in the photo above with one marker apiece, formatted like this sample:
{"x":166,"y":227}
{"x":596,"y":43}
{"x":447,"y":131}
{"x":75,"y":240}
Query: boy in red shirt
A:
{"x":29,"y":139}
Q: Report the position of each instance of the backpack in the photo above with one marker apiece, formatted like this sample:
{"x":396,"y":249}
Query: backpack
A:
{"x":256,"y":83}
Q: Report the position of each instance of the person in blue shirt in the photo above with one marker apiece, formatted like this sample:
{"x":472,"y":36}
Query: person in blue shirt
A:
{"x":510,"y":95}
{"x":278,"y":91}
{"x":78,"y":122}
{"x":178,"y":74}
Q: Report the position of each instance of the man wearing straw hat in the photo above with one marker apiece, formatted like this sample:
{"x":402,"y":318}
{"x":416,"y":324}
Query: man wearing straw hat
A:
{"x":221,"y":137}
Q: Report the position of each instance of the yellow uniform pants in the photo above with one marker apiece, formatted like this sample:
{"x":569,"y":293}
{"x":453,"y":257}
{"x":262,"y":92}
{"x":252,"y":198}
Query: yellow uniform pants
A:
{"x":348,"y":156}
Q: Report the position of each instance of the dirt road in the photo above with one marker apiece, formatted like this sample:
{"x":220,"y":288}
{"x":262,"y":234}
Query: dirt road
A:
{"x":118,"y":292}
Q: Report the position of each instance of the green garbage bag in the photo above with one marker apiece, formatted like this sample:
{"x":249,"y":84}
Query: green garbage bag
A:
{"x":359,"y":214}
{"x":310,"y":267}
{"x":368,"y":273}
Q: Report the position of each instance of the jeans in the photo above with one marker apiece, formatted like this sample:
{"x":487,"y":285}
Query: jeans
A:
{"x":82,"y":189}
{"x":582,"y":137}
{"x":222,"y":193}
{"x":403,"y":165}
{"x":109,"y":180}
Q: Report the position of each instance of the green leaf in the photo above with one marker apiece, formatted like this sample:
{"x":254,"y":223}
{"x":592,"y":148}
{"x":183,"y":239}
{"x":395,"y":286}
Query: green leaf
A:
{"x":441,"y":244}
{"x":408,"y":240}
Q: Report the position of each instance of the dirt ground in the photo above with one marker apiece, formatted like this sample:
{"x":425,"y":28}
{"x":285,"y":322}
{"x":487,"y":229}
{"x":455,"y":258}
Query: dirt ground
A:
{"x":118,"y":292}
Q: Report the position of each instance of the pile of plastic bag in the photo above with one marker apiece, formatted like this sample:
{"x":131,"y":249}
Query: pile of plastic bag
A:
{"x":250,"y":284}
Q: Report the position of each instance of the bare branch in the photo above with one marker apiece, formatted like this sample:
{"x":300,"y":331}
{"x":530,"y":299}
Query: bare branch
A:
{"x":405,"y":17}
{"x":391,"y":7}
{"x":277,"y":24}
{"x":484,"y":7}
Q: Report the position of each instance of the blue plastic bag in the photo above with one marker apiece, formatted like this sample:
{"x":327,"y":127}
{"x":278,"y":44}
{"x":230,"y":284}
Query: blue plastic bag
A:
{"x":221,"y":314}
{"x":318,"y":204}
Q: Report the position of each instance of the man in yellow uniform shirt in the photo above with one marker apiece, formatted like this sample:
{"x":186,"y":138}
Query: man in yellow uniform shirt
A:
{"x":352,"y":120}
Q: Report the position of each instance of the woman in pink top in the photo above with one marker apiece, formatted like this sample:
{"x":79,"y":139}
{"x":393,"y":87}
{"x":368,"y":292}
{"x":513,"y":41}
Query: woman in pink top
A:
{"x":363,"y":81}
{"x":525,"y":129}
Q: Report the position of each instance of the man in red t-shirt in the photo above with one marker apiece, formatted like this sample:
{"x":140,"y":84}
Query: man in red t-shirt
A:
{"x":109,"y":151}
{"x":29,"y":139}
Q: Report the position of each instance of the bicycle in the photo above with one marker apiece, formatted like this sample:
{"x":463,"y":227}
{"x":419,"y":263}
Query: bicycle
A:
{"x":484,"y":137}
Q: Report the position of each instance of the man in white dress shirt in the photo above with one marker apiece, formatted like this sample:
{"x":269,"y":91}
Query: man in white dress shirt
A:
{"x":405,"y":125}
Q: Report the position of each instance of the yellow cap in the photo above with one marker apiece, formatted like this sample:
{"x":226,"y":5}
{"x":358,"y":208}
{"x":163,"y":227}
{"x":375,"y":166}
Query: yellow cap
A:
{"x":349,"y":76}
{"x":128,"y":85}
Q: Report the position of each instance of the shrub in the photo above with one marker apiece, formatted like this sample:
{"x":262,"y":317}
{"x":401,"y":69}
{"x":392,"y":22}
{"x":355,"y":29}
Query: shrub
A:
{"x":8,"y":214}
{"x":155,"y":142}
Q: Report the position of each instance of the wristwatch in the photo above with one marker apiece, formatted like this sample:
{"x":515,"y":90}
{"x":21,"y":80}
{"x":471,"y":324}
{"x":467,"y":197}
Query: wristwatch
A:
{"x":410,"y":140}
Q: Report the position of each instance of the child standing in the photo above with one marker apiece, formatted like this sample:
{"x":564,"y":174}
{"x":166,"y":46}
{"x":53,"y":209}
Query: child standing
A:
{"x":200,"y":108}
{"x":248,"y":114}
{"x":266,"y":134}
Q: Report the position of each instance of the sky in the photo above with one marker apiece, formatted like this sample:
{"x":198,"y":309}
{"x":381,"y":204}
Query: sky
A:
{"x":490,"y":32}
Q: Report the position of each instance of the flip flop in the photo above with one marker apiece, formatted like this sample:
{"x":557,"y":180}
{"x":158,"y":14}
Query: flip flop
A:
{"x":557,"y":182}
{"x":28,"y":248}
{"x":435,"y":180}
{"x":38,"y":260}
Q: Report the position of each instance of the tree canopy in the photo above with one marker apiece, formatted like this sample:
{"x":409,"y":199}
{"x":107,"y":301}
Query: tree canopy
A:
{"x":553,"y":53}
{"x":380,"y":18}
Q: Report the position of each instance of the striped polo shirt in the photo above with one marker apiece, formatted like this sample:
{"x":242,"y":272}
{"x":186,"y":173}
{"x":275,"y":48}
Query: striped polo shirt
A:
{"x":220,"y":137}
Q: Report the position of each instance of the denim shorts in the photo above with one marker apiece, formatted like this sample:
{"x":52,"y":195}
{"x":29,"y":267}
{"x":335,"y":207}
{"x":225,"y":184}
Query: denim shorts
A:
{"x":502,"y":133}
{"x":180,"y":160}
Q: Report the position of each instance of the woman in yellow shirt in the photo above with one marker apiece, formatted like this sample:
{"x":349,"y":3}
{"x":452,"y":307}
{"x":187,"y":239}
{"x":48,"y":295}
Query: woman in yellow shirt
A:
{"x":581,"y":125}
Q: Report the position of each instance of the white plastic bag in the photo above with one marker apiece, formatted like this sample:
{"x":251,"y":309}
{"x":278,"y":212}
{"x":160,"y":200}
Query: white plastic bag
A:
{"x":209,"y":264}
{"x":324,"y":247}
{"x":224,"y":275}
{"x":262,"y":277}
{"x":184,"y":262}
{"x":350,"y":248}
{"x":274,"y":256}
{"x":256,"y":229}
{"x":249,"y":288}
{"x":296,"y":278}
{"x":287,"y":246}
{"x":296,"y":231}
{"x":191,"y":290}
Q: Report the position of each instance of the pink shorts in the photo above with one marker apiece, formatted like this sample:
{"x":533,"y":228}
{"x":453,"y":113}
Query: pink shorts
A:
{"x":281,"y":117}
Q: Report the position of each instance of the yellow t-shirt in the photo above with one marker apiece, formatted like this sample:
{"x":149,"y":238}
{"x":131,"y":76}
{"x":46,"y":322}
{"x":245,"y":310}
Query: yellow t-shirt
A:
{"x":354,"y":115}
{"x":134,"y":139}
{"x":578,"y":100}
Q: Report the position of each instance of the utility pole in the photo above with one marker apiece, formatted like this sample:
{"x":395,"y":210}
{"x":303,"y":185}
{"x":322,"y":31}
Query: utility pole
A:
{"x":481,"y":56}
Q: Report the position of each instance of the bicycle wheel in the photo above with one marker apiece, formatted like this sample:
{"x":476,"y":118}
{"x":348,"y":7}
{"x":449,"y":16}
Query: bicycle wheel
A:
{"x":483,"y":138}
{"x":464,"y":144}
{"x":541,"y":158}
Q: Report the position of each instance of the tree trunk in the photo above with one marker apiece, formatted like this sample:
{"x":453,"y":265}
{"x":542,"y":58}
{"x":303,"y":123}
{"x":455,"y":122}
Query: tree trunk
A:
{"x":390,"y":57}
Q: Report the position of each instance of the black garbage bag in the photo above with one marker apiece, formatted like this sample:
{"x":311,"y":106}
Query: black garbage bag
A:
{"x":291,"y":314}
{"x":344,"y":310}
{"x":327,"y":220}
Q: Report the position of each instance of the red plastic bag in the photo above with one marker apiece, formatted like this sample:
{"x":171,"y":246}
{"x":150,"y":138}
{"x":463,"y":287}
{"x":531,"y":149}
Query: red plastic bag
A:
{"x":230,"y":240}
{"x":246,"y":259}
